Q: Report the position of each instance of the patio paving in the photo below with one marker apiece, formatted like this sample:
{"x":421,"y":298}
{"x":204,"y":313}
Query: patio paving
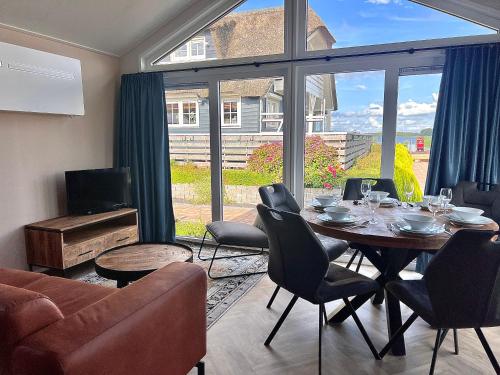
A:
{"x":203,"y":213}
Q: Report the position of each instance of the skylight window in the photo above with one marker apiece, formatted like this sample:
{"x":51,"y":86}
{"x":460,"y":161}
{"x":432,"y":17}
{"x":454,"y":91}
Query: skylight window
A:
{"x":371,"y":22}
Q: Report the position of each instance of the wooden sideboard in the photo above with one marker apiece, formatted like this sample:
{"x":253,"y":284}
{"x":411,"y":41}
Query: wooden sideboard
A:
{"x":66,"y":241}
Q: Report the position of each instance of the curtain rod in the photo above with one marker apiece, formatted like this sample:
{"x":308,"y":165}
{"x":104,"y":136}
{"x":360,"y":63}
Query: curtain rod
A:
{"x":257,"y":64}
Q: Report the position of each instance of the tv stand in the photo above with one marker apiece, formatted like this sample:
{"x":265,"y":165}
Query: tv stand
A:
{"x":66,"y":241}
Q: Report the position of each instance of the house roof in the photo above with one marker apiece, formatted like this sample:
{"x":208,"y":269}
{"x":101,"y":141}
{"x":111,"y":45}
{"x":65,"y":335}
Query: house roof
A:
{"x":244,"y":88}
{"x":257,"y":33}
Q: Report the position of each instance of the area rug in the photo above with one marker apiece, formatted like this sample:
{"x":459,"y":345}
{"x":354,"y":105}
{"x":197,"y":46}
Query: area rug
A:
{"x":222,"y":293}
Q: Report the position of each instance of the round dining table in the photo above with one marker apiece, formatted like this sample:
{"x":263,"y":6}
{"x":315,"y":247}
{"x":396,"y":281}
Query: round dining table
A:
{"x":387,"y":248}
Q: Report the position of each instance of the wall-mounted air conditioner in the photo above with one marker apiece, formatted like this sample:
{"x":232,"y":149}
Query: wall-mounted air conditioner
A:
{"x":36,"y":81}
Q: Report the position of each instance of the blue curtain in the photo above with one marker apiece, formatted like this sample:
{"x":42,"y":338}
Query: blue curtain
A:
{"x":142,"y":145}
{"x":465,"y":140}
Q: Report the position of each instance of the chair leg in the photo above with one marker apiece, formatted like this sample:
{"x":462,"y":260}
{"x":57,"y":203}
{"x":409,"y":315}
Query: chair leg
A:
{"x":362,"y":329}
{"x":231,"y":256}
{"x":455,"y":340}
{"x":321,"y":312}
{"x":352,"y":258}
{"x":360,"y":262}
{"x":435,"y":351}
{"x":398,"y":333}
{"x":324,"y":313}
{"x":201,"y":368}
{"x":488,"y":350}
{"x":443,"y":336}
{"x":275,"y":293}
{"x":201,"y":246}
{"x":280,"y":321}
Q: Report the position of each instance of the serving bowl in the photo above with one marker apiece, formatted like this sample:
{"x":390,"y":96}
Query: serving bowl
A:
{"x":338,"y":212}
{"x":466,"y":213}
{"x":418,"y":222}
{"x":382,"y":194}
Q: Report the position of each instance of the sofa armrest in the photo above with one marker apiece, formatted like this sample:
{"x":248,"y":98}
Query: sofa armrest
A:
{"x":156,"y":325}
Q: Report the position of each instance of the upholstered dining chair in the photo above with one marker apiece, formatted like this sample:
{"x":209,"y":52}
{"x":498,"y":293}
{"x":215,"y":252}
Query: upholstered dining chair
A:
{"x":352,"y":191}
{"x":298,"y":262}
{"x":277,"y":196}
{"x":230,"y":233}
{"x":466,"y":194}
{"x":459,"y":289}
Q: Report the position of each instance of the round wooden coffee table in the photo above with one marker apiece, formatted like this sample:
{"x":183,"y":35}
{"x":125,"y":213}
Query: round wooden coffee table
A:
{"x":131,"y":262}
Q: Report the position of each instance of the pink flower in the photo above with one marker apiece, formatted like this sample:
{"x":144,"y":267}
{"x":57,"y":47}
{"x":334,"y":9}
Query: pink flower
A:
{"x":326,"y":185}
{"x":332,"y":170}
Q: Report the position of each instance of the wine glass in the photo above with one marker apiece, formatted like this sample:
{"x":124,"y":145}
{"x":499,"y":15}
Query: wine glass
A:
{"x":446,"y":196}
{"x":366,"y":188}
{"x":435,"y":203}
{"x":409,"y":188}
{"x":373,"y":204}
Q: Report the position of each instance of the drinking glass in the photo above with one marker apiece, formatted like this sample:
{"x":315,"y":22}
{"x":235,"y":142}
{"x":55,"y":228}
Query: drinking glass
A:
{"x":409,"y":188}
{"x":366,"y":187}
{"x":435,"y":203}
{"x":446,"y":195}
{"x":373,"y":204}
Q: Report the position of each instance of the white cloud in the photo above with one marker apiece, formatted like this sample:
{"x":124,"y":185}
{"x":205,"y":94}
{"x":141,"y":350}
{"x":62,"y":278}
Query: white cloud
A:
{"x":435,"y":96}
{"x":413,"y":108}
{"x":361,"y":87}
{"x":374,"y":123}
{"x":375,"y":110}
{"x":383,"y":2}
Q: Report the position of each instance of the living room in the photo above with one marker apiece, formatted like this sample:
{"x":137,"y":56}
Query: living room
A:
{"x":189,"y":186}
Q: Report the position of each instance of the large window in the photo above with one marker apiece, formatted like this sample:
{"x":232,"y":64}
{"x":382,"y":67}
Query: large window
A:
{"x":371,"y":22}
{"x":250,"y":157}
{"x":310,"y":120}
{"x":343,"y":132}
{"x":417,"y":103}
{"x":190,"y":160}
{"x":255,"y":28}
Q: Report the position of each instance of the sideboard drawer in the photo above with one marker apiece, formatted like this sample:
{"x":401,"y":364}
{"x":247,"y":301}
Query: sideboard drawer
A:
{"x":125,"y":236}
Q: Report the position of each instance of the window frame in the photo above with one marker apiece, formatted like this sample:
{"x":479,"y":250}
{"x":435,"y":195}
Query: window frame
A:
{"x":238,"y":101}
{"x":180,"y":105}
{"x":189,"y":51}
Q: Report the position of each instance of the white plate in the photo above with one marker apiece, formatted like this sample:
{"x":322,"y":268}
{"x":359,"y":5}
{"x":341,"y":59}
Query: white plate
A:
{"x":431,"y":231}
{"x":480,"y":220}
{"x":351,"y":219}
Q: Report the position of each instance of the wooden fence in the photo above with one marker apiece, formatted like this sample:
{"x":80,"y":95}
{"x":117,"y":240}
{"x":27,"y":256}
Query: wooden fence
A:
{"x":237,"y":148}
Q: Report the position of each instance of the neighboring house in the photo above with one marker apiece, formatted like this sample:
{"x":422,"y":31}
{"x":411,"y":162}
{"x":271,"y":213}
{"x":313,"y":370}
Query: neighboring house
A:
{"x":248,"y":106}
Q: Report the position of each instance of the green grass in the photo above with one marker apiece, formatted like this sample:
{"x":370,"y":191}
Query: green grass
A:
{"x":189,"y":228}
{"x":190,"y":174}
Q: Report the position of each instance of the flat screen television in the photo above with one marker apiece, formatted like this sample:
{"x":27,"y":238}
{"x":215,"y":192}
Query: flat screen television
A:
{"x":97,"y":190}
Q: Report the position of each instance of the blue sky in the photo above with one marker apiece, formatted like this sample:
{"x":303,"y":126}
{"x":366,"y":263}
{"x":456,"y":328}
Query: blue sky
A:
{"x":367,"y":22}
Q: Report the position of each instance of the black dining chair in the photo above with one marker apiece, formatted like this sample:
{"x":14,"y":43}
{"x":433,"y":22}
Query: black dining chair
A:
{"x":352,"y":191}
{"x":459,"y":289}
{"x":298,"y":262}
{"x":277,"y":196}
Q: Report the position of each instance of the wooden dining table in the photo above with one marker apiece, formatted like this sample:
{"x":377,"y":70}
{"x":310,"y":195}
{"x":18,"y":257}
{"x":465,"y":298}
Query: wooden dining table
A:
{"x":388,"y":249}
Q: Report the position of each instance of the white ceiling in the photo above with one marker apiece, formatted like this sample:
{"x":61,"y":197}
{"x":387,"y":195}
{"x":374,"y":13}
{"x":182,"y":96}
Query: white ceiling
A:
{"x":116,"y":26}
{"x":111,"y":26}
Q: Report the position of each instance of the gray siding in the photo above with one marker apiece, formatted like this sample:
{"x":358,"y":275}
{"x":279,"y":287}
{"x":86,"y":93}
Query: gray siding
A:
{"x":250,"y":119}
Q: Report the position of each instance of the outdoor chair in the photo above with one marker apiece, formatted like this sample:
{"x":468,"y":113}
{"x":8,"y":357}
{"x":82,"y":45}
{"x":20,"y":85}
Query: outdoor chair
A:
{"x":278,"y":197}
{"x":298,"y":262}
{"x":459,"y":290}
{"x":352,"y":191}
{"x":466,"y":194}
{"x":229,"y":233}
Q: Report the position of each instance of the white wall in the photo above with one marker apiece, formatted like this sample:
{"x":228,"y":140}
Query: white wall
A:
{"x":36,"y":149}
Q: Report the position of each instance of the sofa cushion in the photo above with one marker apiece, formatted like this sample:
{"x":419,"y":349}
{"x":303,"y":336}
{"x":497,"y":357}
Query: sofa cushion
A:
{"x":22,"y":313}
{"x":19,"y":278}
{"x":70,"y":296}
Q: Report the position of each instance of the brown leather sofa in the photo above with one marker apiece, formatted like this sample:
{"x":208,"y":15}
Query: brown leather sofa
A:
{"x":54,"y":326}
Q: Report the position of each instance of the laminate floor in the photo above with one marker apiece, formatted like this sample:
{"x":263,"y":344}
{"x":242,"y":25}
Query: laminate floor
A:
{"x":235,"y":342}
